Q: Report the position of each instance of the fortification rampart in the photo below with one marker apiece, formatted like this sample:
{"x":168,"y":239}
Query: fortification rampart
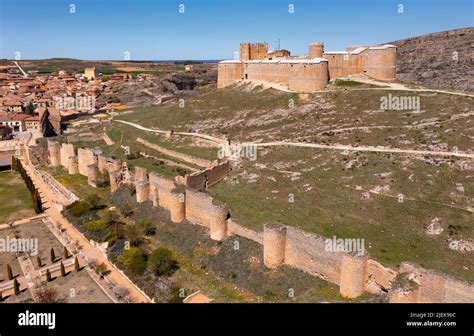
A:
{"x":180,"y":156}
{"x":353,"y":273}
{"x":433,"y":286}
{"x":206,"y":178}
{"x":311,"y":72}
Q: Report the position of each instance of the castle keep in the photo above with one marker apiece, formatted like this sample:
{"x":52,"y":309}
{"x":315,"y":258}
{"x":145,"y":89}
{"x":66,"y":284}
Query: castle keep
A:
{"x":307,"y":73}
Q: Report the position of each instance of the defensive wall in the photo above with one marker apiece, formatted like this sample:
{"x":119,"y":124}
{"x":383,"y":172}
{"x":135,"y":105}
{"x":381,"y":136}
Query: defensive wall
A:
{"x":309,"y":72}
{"x":177,"y":155}
{"x":282,"y":244}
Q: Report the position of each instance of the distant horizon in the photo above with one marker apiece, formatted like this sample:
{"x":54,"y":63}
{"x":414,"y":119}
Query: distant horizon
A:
{"x":156,"y":30}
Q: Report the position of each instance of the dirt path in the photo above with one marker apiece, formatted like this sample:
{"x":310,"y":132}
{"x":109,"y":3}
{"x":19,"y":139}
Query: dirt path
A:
{"x":367,"y":149}
{"x":198,"y":135}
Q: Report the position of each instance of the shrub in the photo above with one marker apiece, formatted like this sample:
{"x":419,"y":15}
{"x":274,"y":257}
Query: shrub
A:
{"x":109,"y":217}
{"x":161,"y":262}
{"x":93,"y":200}
{"x":133,"y":233}
{"x":146,"y":227}
{"x":78,"y":208}
{"x":126,"y":209}
{"x":97,"y":225}
{"x":134,"y":260}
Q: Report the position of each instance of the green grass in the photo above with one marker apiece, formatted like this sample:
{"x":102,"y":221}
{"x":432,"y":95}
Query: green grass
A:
{"x":333,"y":206}
{"x":15,"y":198}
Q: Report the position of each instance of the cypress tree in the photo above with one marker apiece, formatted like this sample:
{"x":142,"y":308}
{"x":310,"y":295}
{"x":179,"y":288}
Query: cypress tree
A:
{"x":76,"y":264}
{"x":38,"y":261}
{"x":48,"y":275}
{"x":9,"y":272}
{"x":66,"y":253}
{"x":16,"y":287}
{"x":53,"y":256}
{"x":63,"y":270}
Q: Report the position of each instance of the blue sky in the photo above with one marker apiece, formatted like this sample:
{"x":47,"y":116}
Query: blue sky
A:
{"x":212,"y":29}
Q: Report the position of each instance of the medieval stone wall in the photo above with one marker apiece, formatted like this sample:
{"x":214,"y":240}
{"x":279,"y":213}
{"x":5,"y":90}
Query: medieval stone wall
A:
{"x":208,"y":177}
{"x":284,"y":244}
{"x":312,"y":72}
{"x":435,"y":287}
{"x":86,"y":157}
{"x":180,"y":156}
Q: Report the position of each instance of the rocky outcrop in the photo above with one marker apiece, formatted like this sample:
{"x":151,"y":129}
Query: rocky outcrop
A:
{"x":440,"y":60}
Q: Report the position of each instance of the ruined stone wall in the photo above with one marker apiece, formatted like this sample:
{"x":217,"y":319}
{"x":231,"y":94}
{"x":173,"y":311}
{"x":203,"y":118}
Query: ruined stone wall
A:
{"x":198,"y":205}
{"x":238,"y":230}
{"x":306,"y":251}
{"x":54,"y":150}
{"x":163,"y":187}
{"x":184,"y":157}
{"x":437,"y":287}
{"x":378,"y":277}
{"x":67,"y":150}
{"x":208,"y":177}
{"x":85,"y":157}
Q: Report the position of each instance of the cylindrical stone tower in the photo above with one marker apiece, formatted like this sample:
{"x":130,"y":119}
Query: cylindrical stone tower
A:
{"x":140,"y":174}
{"x":54,"y":153}
{"x":316,"y":50}
{"x":218,"y":221}
{"x":353,"y":274}
{"x":176,"y":206}
{"x":73,"y":165}
{"x":142,"y":191}
{"x":92,"y":174}
{"x":274,"y":243}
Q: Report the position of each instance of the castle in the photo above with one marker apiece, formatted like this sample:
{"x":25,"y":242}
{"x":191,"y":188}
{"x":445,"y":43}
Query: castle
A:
{"x":307,"y":73}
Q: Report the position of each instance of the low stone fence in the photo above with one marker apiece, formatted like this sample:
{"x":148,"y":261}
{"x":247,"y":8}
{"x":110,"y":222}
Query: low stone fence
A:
{"x":174,"y":154}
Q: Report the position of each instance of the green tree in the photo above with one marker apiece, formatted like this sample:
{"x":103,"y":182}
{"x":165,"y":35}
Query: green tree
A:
{"x":133,"y":233}
{"x":134,"y":260}
{"x":66,"y":253}
{"x":146,"y":226}
{"x":161,"y":262}
{"x":16,"y":287}
{"x":93,"y":200}
{"x":76,"y":265}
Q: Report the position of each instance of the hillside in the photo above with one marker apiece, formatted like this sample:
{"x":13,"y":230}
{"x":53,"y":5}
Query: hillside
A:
{"x":429,"y":60}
